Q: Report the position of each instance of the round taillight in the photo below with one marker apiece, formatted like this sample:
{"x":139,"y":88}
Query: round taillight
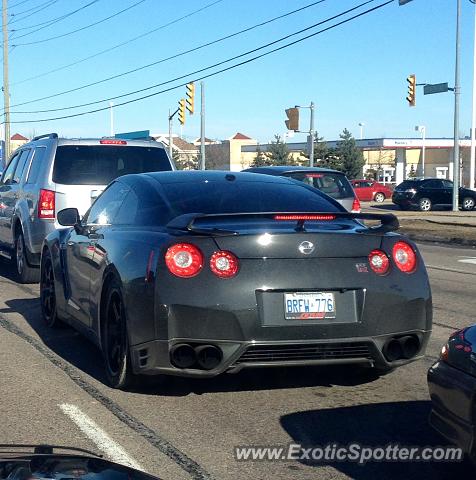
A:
{"x":184,"y":260}
{"x":404,"y":257}
{"x":224,"y":264}
{"x":379,"y":262}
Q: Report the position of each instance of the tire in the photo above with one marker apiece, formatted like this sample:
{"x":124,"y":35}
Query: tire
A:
{"x":25,"y":273}
{"x":114,"y":338}
{"x":379,"y":197}
{"x":424,"y":204}
{"x":468,"y":203}
{"x":48,"y":293}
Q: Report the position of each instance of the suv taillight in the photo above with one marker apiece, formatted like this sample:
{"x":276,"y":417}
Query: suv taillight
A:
{"x":46,"y":204}
{"x":356,"y":206}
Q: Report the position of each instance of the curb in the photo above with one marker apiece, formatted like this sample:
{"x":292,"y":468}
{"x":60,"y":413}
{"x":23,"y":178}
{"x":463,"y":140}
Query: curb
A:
{"x":428,"y":238}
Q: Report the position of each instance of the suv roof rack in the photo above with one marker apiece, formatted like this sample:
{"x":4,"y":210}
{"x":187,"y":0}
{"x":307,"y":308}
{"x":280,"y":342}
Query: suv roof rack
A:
{"x":46,"y":135}
{"x":41,"y":449}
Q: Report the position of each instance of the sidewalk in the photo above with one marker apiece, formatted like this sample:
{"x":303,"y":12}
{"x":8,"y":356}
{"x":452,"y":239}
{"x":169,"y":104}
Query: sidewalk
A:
{"x":441,"y":226}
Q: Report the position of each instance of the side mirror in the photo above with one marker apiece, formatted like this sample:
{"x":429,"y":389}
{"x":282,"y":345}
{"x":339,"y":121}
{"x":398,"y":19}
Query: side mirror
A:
{"x":69,"y":217}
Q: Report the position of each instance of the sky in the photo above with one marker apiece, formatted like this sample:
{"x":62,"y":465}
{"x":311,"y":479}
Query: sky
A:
{"x":354,"y":73}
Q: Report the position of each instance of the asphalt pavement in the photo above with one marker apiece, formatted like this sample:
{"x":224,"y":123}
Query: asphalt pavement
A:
{"x":52,"y":391}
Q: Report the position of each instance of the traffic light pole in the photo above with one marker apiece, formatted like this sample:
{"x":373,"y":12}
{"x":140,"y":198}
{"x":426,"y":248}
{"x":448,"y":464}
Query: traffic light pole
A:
{"x":170,"y":132}
{"x":202,"y":125}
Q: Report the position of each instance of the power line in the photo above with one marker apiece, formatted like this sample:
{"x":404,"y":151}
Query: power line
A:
{"x":36,"y":9}
{"x":19,"y":3}
{"x":50,"y":22}
{"x":79,"y":29}
{"x":244,"y":62}
{"x":118,"y":45}
{"x":171,"y":57}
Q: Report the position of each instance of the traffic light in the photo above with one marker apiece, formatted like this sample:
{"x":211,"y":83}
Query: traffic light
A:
{"x":411,"y":97}
{"x":292,"y":123}
{"x":181,"y":111}
{"x":190,"y":91}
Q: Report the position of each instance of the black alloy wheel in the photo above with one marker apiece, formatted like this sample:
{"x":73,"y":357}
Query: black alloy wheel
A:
{"x":114,"y":339}
{"x":47,"y":292}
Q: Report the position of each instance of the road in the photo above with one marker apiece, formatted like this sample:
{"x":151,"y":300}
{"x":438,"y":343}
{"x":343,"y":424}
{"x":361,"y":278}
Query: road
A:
{"x":52,"y":390}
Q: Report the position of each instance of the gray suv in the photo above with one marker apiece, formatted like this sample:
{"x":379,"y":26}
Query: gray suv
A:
{"x":49,"y":174}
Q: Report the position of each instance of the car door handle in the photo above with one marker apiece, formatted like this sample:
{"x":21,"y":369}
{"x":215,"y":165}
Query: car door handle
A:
{"x":70,"y":244}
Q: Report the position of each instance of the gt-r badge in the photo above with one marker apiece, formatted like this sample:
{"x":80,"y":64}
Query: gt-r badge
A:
{"x":361,"y":268}
{"x":306,"y":247}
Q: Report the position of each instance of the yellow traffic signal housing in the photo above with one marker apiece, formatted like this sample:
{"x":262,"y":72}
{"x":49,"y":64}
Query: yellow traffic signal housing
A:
{"x":411,"y":97}
{"x":292,"y":123}
{"x":190,"y":91}
{"x":181,"y":111}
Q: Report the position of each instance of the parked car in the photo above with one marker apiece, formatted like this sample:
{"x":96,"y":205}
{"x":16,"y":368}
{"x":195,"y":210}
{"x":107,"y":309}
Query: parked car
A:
{"x":331,"y":182}
{"x":426,"y":193}
{"x":452,"y":385}
{"x":51,"y":173}
{"x":368,"y":190}
{"x":199,"y":273}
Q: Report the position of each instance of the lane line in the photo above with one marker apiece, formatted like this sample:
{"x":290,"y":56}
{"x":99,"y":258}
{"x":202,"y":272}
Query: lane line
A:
{"x":194,"y":469}
{"x":99,"y":436}
{"x":434,"y":267}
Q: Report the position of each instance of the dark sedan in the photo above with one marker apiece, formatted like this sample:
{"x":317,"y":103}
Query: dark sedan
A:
{"x":426,"y":193}
{"x":452,"y":385}
{"x":199,"y":273}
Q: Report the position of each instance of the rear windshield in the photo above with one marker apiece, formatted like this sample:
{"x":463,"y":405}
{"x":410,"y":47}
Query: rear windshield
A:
{"x":335,"y":185}
{"x":243,"y":197}
{"x":100,"y":164}
{"x":407,"y":184}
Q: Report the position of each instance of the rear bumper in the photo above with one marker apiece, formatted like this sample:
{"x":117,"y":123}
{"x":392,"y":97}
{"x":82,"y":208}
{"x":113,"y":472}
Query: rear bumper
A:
{"x":154,"y":357}
{"x":453,"y":395}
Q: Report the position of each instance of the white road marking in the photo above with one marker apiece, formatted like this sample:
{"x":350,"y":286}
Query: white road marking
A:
{"x":99,"y":436}
{"x":468,"y":260}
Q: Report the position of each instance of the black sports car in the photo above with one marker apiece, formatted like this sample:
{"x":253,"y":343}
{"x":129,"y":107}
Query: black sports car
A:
{"x":199,"y":273}
{"x":452,"y":385}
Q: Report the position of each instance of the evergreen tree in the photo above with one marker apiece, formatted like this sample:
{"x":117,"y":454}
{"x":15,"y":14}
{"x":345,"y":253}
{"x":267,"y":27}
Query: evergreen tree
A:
{"x":278,"y":153}
{"x":347,"y":157}
{"x":260,"y":159}
{"x":321,"y":152}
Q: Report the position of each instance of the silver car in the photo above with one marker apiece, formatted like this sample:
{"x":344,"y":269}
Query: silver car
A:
{"x":49,"y":174}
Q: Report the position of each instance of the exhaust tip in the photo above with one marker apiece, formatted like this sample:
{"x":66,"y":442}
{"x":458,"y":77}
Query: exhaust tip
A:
{"x":393,"y":350}
{"x":410,"y":346}
{"x":208,"y":356}
{"x":183,"y":355}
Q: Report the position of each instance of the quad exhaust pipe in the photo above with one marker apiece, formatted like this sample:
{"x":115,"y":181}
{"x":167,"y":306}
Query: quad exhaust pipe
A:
{"x":204,"y":357}
{"x":401,"y":348}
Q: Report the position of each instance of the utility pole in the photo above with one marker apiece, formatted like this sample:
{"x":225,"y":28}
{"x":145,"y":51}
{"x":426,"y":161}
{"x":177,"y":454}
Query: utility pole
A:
{"x":202,"y":125}
{"x":170,"y":135}
{"x":456,"y":119}
{"x":472,"y":172}
{"x":6,"y":89}
{"x":311,"y":136}
{"x":111,"y":106}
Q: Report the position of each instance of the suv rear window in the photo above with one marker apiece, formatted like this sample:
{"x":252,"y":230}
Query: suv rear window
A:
{"x":100,"y":164}
{"x":333,"y":184}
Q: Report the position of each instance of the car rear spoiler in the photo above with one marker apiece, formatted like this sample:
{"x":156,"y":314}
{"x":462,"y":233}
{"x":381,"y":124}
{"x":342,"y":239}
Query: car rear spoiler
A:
{"x":187,"y":222}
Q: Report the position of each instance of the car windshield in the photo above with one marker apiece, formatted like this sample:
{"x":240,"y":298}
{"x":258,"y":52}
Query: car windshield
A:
{"x":100,"y":164}
{"x":243,"y":197}
{"x":335,"y":185}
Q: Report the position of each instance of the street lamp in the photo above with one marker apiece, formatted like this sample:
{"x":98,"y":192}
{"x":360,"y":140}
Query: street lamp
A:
{"x":422,"y":130}
{"x":361,"y":125}
{"x":111,"y":105}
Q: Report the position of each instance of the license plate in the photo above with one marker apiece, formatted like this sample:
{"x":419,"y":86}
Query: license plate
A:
{"x":313,"y":305}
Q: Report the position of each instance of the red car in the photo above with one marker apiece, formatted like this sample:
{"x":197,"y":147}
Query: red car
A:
{"x":367,"y":190}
